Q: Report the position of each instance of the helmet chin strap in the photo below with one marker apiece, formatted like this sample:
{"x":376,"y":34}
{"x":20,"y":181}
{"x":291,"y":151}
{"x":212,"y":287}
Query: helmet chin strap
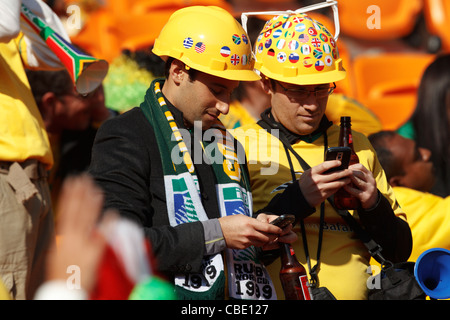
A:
{"x":317,"y":6}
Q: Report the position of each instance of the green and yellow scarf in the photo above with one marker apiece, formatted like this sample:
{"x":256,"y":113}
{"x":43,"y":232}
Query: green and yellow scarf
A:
{"x":247,"y":277}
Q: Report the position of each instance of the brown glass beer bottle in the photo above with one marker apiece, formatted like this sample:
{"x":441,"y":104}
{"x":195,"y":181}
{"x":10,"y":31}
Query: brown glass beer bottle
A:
{"x":293,"y":275}
{"x":343,"y":199}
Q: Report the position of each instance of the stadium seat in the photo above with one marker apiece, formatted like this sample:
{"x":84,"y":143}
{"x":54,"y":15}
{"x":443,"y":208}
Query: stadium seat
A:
{"x":437,"y":20}
{"x":99,"y":36}
{"x":378,"y":19}
{"x":387,"y":84}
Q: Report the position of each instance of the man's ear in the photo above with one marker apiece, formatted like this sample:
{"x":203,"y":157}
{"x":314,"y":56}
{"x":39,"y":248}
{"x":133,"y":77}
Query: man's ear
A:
{"x":396,"y":181}
{"x":47,"y":107}
{"x":177,"y":71}
{"x":266,"y":84}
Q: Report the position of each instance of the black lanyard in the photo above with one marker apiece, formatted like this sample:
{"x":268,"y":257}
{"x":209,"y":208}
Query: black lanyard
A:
{"x":314,"y":281}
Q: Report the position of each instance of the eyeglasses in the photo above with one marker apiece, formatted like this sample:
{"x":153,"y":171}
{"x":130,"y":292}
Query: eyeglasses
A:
{"x":304,"y":94}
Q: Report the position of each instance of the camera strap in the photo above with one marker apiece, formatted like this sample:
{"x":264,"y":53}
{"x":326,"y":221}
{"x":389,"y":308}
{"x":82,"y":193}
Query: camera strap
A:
{"x":313,"y":271}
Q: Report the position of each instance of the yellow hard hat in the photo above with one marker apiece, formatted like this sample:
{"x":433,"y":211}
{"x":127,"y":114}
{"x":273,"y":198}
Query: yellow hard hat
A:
{"x":208,"y":39}
{"x":294,"y":48}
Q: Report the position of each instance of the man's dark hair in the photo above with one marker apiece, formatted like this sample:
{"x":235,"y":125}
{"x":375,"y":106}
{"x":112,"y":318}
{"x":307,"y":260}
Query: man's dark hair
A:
{"x":385,"y":156}
{"x":41,"y":82}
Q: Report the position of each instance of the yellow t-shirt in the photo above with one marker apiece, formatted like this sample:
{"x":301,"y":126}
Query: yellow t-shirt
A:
{"x":22,"y":131}
{"x":344,"y":259}
{"x":237,"y":116}
{"x":429,"y":219}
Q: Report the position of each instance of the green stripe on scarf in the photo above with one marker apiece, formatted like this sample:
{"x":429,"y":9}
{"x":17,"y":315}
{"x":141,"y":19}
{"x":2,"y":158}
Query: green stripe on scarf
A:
{"x":182,"y":194}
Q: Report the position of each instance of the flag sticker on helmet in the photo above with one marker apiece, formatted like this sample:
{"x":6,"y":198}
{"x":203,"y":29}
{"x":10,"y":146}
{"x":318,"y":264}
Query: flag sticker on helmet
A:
{"x":326,"y":48}
{"x":245,"y":39}
{"x":289,"y":34}
{"x":271,"y":53}
{"x":188,"y":43}
{"x":316,"y":42}
{"x":323,"y":37}
{"x":287,"y":25}
{"x":293,"y":57}
{"x":303,"y":38}
{"x":317,"y":53}
{"x":268,"y":43}
{"x":333,"y":43}
{"x":234,"y":59}
{"x":293,"y":45}
{"x":300,"y":27}
{"x":307,"y":62}
{"x":281,"y":57}
{"x":244,"y":60}
{"x":260,"y":47}
{"x":225,"y":51}
{"x":297,"y":19}
{"x":200,"y":47}
{"x":277,"y":33}
{"x":281,"y":43}
{"x":328,"y":60}
{"x":312,"y":31}
{"x":319,"y":65}
{"x":236,"y":39}
{"x":305,"y":49}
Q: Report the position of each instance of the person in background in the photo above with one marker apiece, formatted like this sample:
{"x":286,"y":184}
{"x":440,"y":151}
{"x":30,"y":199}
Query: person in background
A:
{"x":71,"y":121}
{"x":429,"y":125}
{"x":27,"y":228}
{"x":410,"y":172}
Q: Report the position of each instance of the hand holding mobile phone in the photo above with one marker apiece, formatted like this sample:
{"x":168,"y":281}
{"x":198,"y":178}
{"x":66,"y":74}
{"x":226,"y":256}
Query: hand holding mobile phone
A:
{"x":283,"y":220}
{"x":338,"y":153}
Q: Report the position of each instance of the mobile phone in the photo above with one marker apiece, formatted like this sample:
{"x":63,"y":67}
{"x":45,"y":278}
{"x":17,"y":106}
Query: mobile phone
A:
{"x":283,"y":220}
{"x":338,"y":153}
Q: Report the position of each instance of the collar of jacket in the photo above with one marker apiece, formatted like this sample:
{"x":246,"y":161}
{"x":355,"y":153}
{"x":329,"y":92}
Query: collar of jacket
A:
{"x":293,"y":137}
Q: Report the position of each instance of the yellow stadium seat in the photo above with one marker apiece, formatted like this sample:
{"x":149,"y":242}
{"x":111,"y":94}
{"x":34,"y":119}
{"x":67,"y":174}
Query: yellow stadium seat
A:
{"x":378,"y":19}
{"x":387,"y":84}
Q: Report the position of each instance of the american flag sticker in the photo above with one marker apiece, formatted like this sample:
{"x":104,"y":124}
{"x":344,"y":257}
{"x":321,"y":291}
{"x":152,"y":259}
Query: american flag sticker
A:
{"x":188,"y":43}
{"x":200,"y":47}
{"x":225,"y":51}
{"x":234,"y":59}
{"x":303,"y":38}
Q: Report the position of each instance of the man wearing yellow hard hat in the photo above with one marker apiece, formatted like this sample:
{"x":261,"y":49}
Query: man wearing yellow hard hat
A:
{"x":171,"y":166}
{"x":299,"y":65}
